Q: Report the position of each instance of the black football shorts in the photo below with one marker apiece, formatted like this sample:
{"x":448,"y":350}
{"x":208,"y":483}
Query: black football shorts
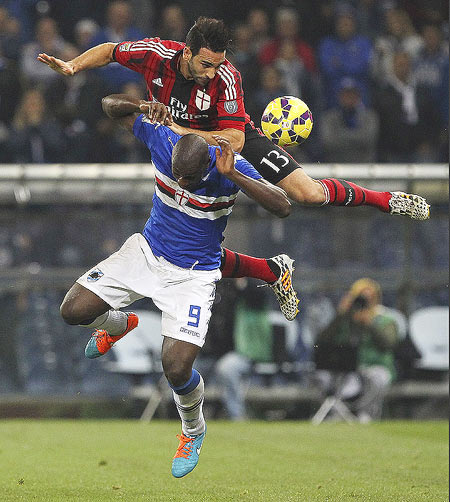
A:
{"x":270,"y":160}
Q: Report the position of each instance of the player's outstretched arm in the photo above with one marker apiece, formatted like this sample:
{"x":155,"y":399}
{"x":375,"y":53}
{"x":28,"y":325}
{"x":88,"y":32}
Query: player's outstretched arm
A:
{"x":270,"y":197}
{"x":234,"y":136}
{"x":97,"y":56}
{"x":125,"y":109}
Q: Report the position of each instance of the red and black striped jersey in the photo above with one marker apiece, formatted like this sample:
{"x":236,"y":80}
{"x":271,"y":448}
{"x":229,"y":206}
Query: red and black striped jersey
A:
{"x":218,"y":106}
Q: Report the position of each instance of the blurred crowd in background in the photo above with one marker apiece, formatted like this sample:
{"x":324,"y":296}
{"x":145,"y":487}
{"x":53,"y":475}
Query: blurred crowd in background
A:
{"x":375,"y":74}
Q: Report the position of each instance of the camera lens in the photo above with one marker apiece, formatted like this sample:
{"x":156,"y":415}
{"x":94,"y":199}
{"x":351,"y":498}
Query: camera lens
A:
{"x":360,"y":303}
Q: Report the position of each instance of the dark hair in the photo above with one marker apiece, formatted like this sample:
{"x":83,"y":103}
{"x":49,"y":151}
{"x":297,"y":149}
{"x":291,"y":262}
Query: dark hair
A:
{"x":210,"y":33}
{"x":190,"y":153}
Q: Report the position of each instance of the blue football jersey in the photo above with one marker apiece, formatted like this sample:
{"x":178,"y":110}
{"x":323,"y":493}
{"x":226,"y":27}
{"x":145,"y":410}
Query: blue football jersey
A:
{"x":186,"y":228}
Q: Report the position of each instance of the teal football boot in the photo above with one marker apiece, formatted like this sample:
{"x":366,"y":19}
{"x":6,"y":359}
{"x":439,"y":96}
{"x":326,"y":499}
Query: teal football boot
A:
{"x":186,"y":457}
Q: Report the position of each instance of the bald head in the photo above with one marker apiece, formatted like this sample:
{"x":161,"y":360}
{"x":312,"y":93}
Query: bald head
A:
{"x":190,"y":159}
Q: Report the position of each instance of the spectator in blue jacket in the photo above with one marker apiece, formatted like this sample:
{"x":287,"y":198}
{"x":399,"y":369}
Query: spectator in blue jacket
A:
{"x":349,"y":132}
{"x":347,"y":54}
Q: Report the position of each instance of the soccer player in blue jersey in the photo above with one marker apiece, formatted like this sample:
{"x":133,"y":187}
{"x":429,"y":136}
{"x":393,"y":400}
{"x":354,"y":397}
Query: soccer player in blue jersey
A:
{"x":175,"y":261}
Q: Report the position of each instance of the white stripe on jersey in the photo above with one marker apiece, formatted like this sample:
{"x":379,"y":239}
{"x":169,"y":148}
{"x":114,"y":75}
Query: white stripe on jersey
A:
{"x":233,"y":82}
{"x":230,"y":80}
{"x":227,"y":82}
{"x":163,"y":54}
{"x":203,"y":199}
{"x":154,"y":47}
{"x":194,"y":213}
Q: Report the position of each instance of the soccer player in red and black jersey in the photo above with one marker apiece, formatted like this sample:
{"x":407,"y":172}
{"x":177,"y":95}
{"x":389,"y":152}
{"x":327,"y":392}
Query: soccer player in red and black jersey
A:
{"x":203,"y":92}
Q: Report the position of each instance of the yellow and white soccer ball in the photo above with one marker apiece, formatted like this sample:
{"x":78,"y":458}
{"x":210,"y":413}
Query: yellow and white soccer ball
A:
{"x":287,"y":121}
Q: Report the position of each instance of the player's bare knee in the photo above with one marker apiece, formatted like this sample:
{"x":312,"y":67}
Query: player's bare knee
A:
{"x":303,"y":189}
{"x":177,"y":372}
{"x":81,"y":306}
{"x":69,"y":313}
{"x":177,"y":360}
{"x":73,"y":314}
{"x":311,"y":193}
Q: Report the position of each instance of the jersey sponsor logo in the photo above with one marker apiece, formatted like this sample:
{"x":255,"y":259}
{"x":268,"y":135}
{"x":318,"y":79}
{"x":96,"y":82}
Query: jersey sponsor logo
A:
{"x":181,"y":197}
{"x":177,"y":114}
{"x":202,"y":100}
{"x":231,"y":106}
{"x":176,"y":104}
{"x":179,"y":111}
{"x":158,"y":81}
{"x":125,"y":47}
{"x":95,"y":275}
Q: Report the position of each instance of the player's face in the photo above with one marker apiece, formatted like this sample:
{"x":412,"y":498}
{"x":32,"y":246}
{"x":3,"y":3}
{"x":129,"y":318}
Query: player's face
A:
{"x":203,"y":66}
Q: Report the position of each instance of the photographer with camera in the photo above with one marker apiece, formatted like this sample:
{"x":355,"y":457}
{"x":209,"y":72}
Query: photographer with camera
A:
{"x":366,"y":331}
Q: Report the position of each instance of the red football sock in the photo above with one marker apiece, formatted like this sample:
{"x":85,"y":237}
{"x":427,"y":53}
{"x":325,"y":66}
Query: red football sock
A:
{"x":346,"y":193}
{"x":240,"y":265}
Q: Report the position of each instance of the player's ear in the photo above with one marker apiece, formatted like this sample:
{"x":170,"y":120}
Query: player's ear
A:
{"x":187,"y":54}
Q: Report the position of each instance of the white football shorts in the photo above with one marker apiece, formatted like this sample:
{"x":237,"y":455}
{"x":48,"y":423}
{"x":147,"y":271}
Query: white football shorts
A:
{"x":184,"y":296}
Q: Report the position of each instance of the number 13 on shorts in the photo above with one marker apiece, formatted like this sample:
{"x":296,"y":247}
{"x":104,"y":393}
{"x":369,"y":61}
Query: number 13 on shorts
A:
{"x":194,"y":313}
{"x":277,"y":157}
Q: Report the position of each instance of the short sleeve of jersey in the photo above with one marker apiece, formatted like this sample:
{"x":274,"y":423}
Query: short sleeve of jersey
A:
{"x":159,"y":140}
{"x":133,"y":54}
{"x":244,"y":167}
{"x":230,"y":107}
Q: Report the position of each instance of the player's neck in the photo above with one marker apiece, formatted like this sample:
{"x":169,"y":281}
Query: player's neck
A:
{"x":183,"y":68}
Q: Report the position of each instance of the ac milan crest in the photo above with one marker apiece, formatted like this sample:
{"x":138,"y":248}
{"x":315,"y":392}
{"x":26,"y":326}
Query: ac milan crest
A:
{"x":202,"y":100}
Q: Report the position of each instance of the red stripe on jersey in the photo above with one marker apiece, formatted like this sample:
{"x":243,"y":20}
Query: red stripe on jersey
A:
{"x":215,"y":206}
{"x":163,"y":185}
